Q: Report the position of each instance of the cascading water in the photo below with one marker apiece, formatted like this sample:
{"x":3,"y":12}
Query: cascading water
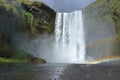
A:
{"x":69,"y":37}
{"x":66,"y":46}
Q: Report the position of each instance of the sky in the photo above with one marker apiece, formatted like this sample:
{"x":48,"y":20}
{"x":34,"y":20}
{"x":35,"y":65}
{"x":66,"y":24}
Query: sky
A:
{"x":67,"y":5}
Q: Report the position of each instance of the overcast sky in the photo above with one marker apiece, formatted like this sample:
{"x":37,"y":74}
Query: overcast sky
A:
{"x":67,"y":5}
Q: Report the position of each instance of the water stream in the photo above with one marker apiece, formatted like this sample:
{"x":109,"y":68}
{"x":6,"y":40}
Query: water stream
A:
{"x":69,"y":37}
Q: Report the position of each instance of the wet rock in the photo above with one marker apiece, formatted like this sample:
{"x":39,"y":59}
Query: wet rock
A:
{"x":38,"y":60}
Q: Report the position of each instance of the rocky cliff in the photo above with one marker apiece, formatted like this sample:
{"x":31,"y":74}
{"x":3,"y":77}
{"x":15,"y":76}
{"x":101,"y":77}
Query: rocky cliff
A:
{"x":23,"y":16}
{"x":101,"y":22}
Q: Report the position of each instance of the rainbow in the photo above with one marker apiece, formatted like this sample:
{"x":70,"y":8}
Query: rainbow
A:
{"x":106,"y":59}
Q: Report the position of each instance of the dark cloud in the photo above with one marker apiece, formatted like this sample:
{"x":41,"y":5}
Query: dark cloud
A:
{"x":67,"y":5}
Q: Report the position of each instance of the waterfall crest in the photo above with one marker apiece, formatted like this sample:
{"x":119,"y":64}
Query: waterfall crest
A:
{"x":69,"y":37}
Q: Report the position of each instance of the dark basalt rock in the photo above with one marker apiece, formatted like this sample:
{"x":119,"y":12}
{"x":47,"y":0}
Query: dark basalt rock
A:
{"x":5,"y":47}
{"x":35,"y":59}
{"x":38,"y":60}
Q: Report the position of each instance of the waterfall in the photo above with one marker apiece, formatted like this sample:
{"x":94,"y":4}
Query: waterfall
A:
{"x":66,"y":46}
{"x":69,"y":37}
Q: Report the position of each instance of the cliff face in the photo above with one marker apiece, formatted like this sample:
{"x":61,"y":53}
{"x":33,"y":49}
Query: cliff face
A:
{"x":115,"y":13}
{"x":101,"y":21}
{"x":23,"y":16}
{"x":32,"y":17}
{"x":42,"y":19}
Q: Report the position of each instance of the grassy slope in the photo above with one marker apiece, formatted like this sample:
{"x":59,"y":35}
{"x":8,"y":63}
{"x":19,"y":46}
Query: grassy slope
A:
{"x":10,"y":60}
{"x":21,"y":56}
{"x":18,"y":56}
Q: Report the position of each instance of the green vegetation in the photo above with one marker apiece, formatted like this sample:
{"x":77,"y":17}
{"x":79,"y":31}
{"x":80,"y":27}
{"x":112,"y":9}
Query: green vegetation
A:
{"x":101,"y":8}
{"x":115,"y":13}
{"x":30,"y":20}
{"x":33,"y":17}
{"x":20,"y":56}
{"x":10,"y":60}
{"x":22,"y":16}
{"x":107,"y":11}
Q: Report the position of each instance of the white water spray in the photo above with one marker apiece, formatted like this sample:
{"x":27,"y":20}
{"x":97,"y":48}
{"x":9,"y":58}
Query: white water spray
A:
{"x":69,"y":37}
{"x":67,"y":45}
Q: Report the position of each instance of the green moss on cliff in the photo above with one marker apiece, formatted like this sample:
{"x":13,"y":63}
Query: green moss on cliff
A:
{"x":115,"y":12}
{"x":33,"y":17}
{"x":40,"y":18}
{"x":23,"y":16}
{"x":100,"y":9}
{"x":107,"y":11}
